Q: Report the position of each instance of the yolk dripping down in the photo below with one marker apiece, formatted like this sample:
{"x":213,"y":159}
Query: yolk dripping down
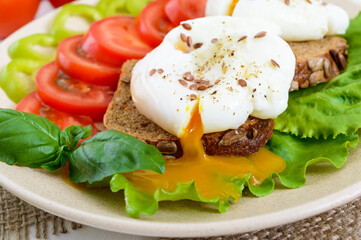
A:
{"x":232,"y":6}
{"x":212,"y":174}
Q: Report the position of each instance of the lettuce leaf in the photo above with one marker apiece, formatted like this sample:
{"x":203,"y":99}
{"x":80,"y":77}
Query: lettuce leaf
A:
{"x":354,"y":41}
{"x":138,"y":202}
{"x":325,"y":110}
{"x":332,"y":108}
{"x":297,"y":152}
{"x":300,"y":153}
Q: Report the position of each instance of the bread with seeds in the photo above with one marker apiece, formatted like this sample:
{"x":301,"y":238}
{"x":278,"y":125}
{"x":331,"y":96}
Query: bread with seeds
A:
{"x":317,"y":62}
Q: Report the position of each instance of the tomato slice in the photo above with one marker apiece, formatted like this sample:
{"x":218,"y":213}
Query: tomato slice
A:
{"x":58,"y":3}
{"x":14,"y":14}
{"x":153,"y":24}
{"x":71,"y":95}
{"x":182,"y":10}
{"x":32,"y":104}
{"x":114,"y":40}
{"x":75,"y":63}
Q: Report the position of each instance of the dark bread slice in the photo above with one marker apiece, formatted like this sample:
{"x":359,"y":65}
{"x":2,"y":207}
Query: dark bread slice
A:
{"x":122,"y":115}
{"x":318,"y":61}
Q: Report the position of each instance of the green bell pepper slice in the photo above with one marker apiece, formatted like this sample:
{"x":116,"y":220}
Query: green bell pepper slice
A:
{"x":112,"y":7}
{"x":134,"y":7}
{"x":17,"y":79}
{"x":40,"y":47}
{"x":61,"y":30}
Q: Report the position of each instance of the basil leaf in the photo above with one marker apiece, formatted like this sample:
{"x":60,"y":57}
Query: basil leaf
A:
{"x":59,"y":162}
{"x":112,"y":152}
{"x":69,"y":140}
{"x":27,"y":139}
{"x":73,"y":134}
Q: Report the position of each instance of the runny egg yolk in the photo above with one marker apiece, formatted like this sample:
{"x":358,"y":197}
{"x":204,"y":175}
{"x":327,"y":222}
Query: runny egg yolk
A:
{"x":213,"y":175}
{"x":232,"y":6}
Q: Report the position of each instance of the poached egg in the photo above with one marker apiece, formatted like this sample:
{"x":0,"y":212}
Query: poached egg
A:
{"x":229,"y":69}
{"x":299,"y":20}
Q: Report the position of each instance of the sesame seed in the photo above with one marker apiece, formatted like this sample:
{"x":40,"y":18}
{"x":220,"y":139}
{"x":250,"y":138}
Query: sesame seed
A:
{"x":187,"y":26}
{"x":193,"y":87}
{"x":183,"y":37}
{"x":198,"y":81}
{"x":160,"y":71}
{"x":197,"y":45}
{"x":309,"y":1}
{"x":202,"y":87}
{"x":274,"y":63}
{"x":213,"y":93}
{"x":324,"y":4}
{"x":193,"y":97}
{"x":217,"y":81}
{"x":254,"y":90}
{"x":189,"y":41}
{"x":151,"y":73}
{"x":242,"y":83}
{"x":260,"y":34}
{"x":214,"y":40}
{"x":287,"y":2}
{"x":242,"y":38}
{"x":183,"y":83}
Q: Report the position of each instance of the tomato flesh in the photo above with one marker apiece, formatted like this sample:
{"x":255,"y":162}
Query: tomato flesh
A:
{"x":182,"y":10}
{"x":32,"y":104}
{"x":75,"y":63}
{"x":71,"y":95}
{"x":13,"y":16}
{"x":58,"y":3}
{"x":153,"y":24}
{"x":114,"y":40}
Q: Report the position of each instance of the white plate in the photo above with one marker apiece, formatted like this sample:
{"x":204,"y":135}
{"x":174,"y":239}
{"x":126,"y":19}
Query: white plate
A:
{"x":326,"y":188}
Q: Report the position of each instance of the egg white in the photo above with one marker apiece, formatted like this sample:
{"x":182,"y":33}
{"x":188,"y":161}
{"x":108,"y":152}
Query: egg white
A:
{"x":226,"y":105}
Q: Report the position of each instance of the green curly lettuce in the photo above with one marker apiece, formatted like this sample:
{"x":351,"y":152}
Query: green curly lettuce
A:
{"x":138,"y":202}
{"x":299,"y":153}
{"x":329,"y":109}
{"x":354,"y":41}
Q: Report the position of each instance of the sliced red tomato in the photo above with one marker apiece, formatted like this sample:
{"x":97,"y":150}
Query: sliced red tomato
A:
{"x":58,"y":3}
{"x":182,"y":10}
{"x":71,"y":95}
{"x":114,"y":40}
{"x":32,"y":104}
{"x":75,"y":63}
{"x":13,"y":16}
{"x":153,"y":24}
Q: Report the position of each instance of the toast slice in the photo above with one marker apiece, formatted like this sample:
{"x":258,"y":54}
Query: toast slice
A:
{"x":317,"y":61}
{"x":122,"y":115}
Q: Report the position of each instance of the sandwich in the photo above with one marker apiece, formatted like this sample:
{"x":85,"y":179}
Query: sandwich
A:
{"x":312,"y":68}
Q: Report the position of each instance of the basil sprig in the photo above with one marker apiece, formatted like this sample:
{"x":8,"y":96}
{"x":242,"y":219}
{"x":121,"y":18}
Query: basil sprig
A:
{"x":111,"y":152}
{"x":30,"y":140}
